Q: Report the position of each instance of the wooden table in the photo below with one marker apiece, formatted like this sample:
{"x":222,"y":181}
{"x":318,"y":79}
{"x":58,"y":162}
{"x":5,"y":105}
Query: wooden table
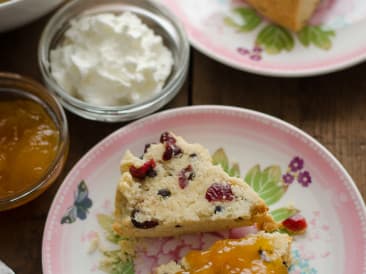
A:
{"x":331,"y":108}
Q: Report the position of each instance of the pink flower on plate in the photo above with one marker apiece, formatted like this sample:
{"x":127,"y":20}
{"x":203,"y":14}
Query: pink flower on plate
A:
{"x":193,"y":241}
{"x":255,"y":57}
{"x":170,"y":246}
{"x":107,"y":205}
{"x":89,"y":236}
{"x":304,"y":178}
{"x":288,"y":178}
{"x":242,"y":232}
{"x":164,"y":259}
{"x":151,"y":247}
{"x":184,"y":251}
{"x":296,"y":164}
{"x":209,"y":239}
{"x":144,"y":264}
{"x":322,"y":12}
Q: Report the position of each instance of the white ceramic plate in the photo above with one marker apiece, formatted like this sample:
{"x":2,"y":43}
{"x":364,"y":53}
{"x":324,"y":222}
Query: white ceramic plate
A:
{"x":217,"y":28}
{"x":320,"y":188}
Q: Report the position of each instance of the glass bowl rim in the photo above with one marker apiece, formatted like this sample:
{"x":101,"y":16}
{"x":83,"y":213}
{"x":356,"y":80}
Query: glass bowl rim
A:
{"x":9,"y":3}
{"x":170,"y":89}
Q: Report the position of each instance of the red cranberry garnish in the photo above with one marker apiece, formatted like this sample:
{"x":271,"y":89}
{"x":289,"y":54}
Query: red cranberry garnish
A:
{"x":147,"y":169}
{"x":166,"y":137}
{"x":219,"y":192}
{"x":296,"y":223}
{"x":143,"y":225}
{"x":185,"y":175}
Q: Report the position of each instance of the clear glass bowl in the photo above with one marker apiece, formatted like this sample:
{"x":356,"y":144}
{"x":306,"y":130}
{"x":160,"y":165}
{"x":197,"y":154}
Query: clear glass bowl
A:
{"x":16,"y":86}
{"x":156,"y":17}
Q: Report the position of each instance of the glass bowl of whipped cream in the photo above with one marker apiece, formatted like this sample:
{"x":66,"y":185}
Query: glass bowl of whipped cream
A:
{"x":113,"y":60}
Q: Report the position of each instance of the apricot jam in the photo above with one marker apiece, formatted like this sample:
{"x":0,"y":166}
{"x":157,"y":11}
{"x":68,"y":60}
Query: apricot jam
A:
{"x":236,"y":256}
{"x":28,"y":144}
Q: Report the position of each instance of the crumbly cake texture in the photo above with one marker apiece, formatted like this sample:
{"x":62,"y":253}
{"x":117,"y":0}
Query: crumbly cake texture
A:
{"x":291,"y":14}
{"x":280,"y":247}
{"x":174,"y":188}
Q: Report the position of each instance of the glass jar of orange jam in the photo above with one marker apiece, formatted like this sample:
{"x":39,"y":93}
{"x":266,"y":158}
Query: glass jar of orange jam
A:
{"x":34,"y":140}
{"x":28,"y":144}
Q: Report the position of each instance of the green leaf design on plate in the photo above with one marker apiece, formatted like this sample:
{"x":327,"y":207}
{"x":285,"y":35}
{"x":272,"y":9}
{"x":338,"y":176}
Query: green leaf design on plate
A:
{"x":317,"y":36}
{"x":220,"y":158}
{"x":235,"y":170}
{"x":266,"y":183}
{"x":284,"y":213}
{"x":275,"y":39}
{"x":106,"y":222}
{"x":250,"y":19}
{"x":113,"y":264}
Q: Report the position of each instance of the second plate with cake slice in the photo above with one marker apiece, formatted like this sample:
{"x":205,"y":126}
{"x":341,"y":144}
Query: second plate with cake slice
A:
{"x":297,"y":40}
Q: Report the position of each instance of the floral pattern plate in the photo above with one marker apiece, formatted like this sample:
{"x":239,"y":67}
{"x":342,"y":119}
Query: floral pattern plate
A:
{"x":232,"y":33}
{"x":283,"y":164}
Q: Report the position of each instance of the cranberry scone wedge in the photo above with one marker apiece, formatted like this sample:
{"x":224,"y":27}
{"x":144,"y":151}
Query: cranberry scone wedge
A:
{"x":292,"y":14}
{"x":175,"y":189}
{"x":260,"y":253}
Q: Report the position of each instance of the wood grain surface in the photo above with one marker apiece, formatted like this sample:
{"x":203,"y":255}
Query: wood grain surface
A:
{"x":331,"y":108}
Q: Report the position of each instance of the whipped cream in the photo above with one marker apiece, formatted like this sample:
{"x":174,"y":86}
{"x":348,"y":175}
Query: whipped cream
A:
{"x":110,"y":60}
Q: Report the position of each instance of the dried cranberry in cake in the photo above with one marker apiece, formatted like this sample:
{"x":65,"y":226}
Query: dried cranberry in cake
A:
{"x":147,"y":169}
{"x":170,"y":151}
{"x":219,"y":192}
{"x":166,"y":137}
{"x":295,"y":224}
{"x":185,"y":175}
{"x":143,"y":225}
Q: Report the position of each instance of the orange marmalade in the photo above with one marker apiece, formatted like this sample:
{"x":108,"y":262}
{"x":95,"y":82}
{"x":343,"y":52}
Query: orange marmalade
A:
{"x":28,"y":144}
{"x":236,"y":256}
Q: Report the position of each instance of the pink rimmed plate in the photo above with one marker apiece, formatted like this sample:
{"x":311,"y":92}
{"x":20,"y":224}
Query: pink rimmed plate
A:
{"x":233,"y":34}
{"x":315,"y":181}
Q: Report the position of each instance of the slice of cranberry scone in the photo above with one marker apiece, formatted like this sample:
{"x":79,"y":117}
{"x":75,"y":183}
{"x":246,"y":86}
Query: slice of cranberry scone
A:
{"x":263,"y":253}
{"x":175,"y":189}
{"x":292,"y":14}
